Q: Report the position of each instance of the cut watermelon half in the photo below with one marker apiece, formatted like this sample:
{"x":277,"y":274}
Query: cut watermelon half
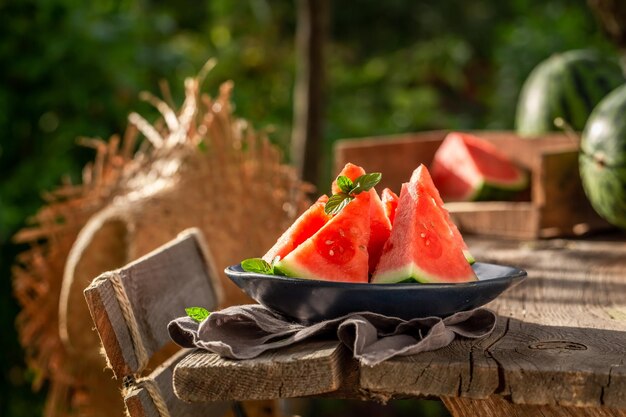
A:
{"x":303,"y":228}
{"x":422,"y":247}
{"x":380,"y":224}
{"x":336,"y":252}
{"x":467,"y":168}
{"x":390,"y":204}
{"x":422,"y":177}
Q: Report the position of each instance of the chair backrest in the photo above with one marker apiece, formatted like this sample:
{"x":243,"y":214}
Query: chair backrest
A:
{"x":131,"y":308}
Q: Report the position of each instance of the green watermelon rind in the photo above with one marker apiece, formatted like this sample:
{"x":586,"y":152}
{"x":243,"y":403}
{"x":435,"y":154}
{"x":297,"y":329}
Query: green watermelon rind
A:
{"x":469,"y":257}
{"x":489,"y":191}
{"x":602,"y":160}
{"x":567,"y":85}
{"x":412,"y":272}
{"x":290,"y":269}
{"x":605,"y":188}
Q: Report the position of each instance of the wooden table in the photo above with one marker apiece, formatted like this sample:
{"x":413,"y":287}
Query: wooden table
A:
{"x":559,"y":348}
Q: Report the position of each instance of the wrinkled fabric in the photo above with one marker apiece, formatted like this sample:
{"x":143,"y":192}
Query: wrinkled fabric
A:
{"x":244,"y":332}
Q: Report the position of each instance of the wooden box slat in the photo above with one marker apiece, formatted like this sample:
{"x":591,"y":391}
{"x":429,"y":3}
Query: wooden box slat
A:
{"x":300,"y":370}
{"x":159,"y":287}
{"x":557,"y":205}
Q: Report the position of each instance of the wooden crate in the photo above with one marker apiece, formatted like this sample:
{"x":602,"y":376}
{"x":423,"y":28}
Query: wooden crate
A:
{"x":557,"y":205}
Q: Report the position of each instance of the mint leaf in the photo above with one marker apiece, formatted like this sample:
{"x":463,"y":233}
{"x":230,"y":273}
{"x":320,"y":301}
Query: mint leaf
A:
{"x":257,"y":265}
{"x":336,"y":203}
{"x":349,"y":189}
{"x":365,"y":182}
{"x":198,"y":314}
{"x":345,"y":184}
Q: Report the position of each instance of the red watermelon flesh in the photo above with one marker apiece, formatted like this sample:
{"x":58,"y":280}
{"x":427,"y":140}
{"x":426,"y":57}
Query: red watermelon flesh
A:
{"x":303,"y":228}
{"x":468,"y":168}
{"x":390,"y":204}
{"x":422,"y":177}
{"x":421,"y":247}
{"x":380,"y":225}
{"x":336,"y":252}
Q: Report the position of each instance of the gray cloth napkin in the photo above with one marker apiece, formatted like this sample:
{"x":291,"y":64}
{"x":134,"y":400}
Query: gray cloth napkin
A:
{"x":244,"y":332}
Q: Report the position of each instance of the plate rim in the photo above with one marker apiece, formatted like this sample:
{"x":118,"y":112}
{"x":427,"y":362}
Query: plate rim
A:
{"x":517,"y":274}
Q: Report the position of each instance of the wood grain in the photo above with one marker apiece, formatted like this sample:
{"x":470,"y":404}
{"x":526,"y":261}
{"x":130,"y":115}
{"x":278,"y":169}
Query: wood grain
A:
{"x":560,"y":339}
{"x":159,"y":286}
{"x":300,"y":370}
{"x":140,"y":404}
{"x":499,"y":407}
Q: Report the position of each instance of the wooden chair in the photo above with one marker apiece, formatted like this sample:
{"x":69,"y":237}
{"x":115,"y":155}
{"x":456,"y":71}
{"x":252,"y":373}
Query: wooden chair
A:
{"x":131,"y":308}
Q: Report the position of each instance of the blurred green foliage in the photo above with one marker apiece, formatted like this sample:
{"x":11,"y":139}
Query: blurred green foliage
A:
{"x":71,"y":68}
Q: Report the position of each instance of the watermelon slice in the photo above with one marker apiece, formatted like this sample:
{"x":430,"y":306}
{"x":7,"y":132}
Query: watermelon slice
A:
{"x":467,"y":168}
{"x":422,"y":247}
{"x":422,"y":177}
{"x":380,"y":225}
{"x":336,"y":252}
{"x":303,"y":228}
{"x":390,"y":204}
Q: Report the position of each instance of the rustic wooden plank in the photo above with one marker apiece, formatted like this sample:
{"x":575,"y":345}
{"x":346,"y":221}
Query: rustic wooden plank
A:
{"x":556,"y":188}
{"x":457,"y":369}
{"x":578,"y":367}
{"x":300,"y":370}
{"x":159,"y":286}
{"x":111,"y":327}
{"x":560,"y":339}
{"x":140,"y":404}
{"x":573,"y":283}
{"x":498,"y":218}
{"x":496,"y":406}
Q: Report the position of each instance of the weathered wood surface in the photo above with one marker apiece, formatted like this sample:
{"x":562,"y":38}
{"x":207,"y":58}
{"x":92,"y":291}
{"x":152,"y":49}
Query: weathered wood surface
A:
{"x":299,"y":370}
{"x":560,"y":340}
{"x":159,"y":286}
{"x":496,"y":406}
{"x":139,"y":402}
{"x":557,"y":205}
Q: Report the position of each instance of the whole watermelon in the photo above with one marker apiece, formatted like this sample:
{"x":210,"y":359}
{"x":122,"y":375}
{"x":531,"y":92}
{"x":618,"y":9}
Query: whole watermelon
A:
{"x":566,"y":85}
{"x":603,"y":158}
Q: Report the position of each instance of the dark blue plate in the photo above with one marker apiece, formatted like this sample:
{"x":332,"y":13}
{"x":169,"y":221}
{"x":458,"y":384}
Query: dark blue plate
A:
{"x":307,"y":301}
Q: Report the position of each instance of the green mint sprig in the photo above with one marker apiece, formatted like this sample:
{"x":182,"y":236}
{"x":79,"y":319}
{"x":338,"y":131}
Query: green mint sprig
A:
{"x":257,"y":265}
{"x":349,"y":190}
{"x":198,"y":314}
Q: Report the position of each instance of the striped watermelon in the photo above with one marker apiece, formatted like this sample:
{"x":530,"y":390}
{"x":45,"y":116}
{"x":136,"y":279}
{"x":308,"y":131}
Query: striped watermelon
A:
{"x":603,"y":158}
{"x":568,"y":86}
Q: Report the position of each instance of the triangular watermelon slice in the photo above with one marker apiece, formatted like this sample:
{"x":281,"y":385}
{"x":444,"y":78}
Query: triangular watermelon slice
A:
{"x":422,"y":176}
{"x":468,"y":168}
{"x":422,"y":247}
{"x":338,"y":251}
{"x":390,"y":204}
{"x":380,"y":226}
{"x":303,"y":228}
